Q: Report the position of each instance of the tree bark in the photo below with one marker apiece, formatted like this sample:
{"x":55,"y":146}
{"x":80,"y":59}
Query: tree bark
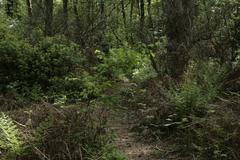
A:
{"x":75,"y":9}
{"x":131,"y":11}
{"x":102,"y":37}
{"x":48,"y":17}
{"x":179,"y":33}
{"x":78,"y":29}
{"x":142,"y":19}
{"x":103,"y":15}
{"x":102,"y":7}
{"x":150,"y":21}
{"x":9,"y":8}
{"x":30,"y":9}
{"x":123,"y":13}
{"x":65,"y":17}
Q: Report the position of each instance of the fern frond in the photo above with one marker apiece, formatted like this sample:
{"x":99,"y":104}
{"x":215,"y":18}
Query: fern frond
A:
{"x":10,"y":140}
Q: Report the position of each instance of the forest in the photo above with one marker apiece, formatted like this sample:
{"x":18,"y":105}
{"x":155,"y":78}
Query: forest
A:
{"x":119,"y":80}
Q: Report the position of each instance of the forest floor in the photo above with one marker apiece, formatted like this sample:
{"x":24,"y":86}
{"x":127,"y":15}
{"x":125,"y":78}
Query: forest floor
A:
{"x":126,"y":141}
{"x":122,"y":120}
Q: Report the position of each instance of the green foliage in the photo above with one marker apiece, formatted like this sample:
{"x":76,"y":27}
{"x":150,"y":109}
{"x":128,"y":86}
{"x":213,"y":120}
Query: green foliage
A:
{"x":126,"y":63}
{"x":91,"y":87}
{"x":189,"y":98}
{"x":111,"y":153}
{"x":51,"y":67}
{"x":202,"y":84}
{"x":64,"y":132}
{"x":10,"y":138}
{"x":206,"y":131}
{"x":53,"y":58}
{"x":77,"y":88}
{"x":33,"y":70}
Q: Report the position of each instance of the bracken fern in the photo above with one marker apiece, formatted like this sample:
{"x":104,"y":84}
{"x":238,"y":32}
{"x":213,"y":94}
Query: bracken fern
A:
{"x":10,"y":141}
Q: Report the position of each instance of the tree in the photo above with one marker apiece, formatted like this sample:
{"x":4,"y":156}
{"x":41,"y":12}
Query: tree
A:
{"x":179,"y":33}
{"x":123,"y":13}
{"x":78,"y":37}
{"x":48,"y":17}
{"x":150,"y":20}
{"x":10,"y":8}
{"x":65,"y":17}
{"x":29,"y":7}
{"x":142,"y":19}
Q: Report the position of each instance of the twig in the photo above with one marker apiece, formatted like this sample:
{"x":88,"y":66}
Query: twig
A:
{"x":41,"y":153}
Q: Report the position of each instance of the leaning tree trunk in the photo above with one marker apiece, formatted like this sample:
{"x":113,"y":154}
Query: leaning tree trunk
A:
{"x":179,"y":33}
{"x":48,"y":17}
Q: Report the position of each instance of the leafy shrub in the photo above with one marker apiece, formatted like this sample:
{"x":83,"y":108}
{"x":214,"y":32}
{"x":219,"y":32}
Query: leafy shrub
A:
{"x":201,"y":126}
{"x":113,"y":154}
{"x":202,"y":84}
{"x":214,"y":136}
{"x":53,"y":57}
{"x":10,"y":141}
{"x":52,"y":68}
{"x":198,"y":121}
{"x":189,"y":98}
{"x":32,"y":70}
{"x":70,"y":132}
{"x":125,"y":62}
{"x":73,"y":89}
{"x":11,"y":62}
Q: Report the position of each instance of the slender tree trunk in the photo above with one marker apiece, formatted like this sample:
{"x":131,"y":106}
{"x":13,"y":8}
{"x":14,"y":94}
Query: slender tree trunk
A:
{"x":48,"y":17}
{"x":131,"y":19}
{"x":103,"y":15}
{"x":65,"y":17}
{"x":138,"y":7}
{"x":150,"y":21}
{"x":131,"y":11}
{"x":142,"y":19}
{"x":102,"y":37}
{"x":75,"y":9}
{"x":123,"y":13}
{"x":89,"y":12}
{"x":78,"y":24}
{"x":179,"y":34}
{"x":9,"y":8}
{"x":90,"y":22}
{"x":30,"y":10}
{"x":102,"y":7}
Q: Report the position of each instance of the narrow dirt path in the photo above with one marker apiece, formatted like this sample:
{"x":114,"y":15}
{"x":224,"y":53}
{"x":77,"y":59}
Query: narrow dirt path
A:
{"x":122,"y":121}
{"x":126,"y":140}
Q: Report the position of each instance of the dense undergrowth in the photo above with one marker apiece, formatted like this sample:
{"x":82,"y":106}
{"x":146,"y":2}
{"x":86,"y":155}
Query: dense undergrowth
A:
{"x":56,"y":87}
{"x":57,"y":69}
{"x":53,"y":103}
{"x":199,"y":112}
{"x":197,"y":116}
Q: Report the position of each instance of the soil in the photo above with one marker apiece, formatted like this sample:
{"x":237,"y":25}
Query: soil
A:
{"x":126,"y":141}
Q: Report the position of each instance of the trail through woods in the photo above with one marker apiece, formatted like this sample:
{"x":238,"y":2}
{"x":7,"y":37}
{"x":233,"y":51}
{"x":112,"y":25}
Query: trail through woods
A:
{"x":126,"y":140}
{"x":122,"y":121}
